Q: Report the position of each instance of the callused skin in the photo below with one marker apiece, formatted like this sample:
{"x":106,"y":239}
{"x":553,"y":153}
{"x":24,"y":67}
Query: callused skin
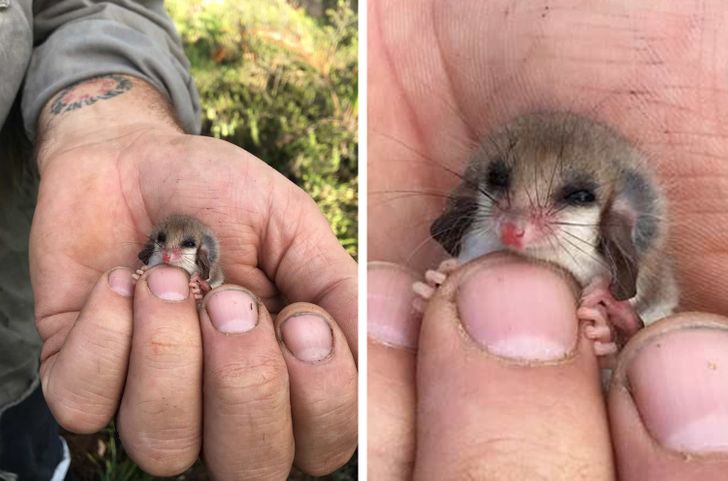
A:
{"x":475,"y":66}
{"x":115,"y":168}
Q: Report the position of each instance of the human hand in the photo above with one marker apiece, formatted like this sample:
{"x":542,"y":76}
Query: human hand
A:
{"x":183,"y":381}
{"x":476,"y":65}
{"x":502,"y":384}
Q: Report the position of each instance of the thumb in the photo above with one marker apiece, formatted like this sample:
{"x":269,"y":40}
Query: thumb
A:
{"x":506,"y":386}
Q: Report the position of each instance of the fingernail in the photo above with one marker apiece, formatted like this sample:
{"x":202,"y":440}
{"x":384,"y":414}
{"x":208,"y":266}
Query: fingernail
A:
{"x":680,"y":385}
{"x":392,"y":319}
{"x":232,"y":311}
{"x":121,"y":282}
{"x":518,"y":310}
{"x":169,"y":283}
{"x":307,"y":336}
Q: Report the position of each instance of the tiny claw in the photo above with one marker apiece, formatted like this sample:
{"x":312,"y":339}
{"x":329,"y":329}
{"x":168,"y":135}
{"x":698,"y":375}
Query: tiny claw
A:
{"x":423,"y":290}
{"x":140,"y":272}
{"x":435,"y":278}
{"x":598,"y":333}
{"x":448,"y":265}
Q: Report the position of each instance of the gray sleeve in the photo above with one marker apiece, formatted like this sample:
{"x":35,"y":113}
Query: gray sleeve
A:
{"x":78,"y":39}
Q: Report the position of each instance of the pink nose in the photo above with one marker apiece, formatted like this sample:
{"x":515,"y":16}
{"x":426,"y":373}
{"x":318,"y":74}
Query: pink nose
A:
{"x":511,"y":234}
{"x":170,"y":255}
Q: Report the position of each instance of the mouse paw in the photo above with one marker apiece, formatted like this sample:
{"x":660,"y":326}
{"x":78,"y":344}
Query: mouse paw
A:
{"x":601,"y":333}
{"x":196,"y":291}
{"x":140,"y":272}
{"x":198,"y":286}
{"x":433,"y":280}
{"x":620,"y":314}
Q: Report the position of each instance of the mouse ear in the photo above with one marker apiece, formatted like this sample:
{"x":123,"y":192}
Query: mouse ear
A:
{"x":619,"y":250}
{"x":146,"y":252}
{"x":206,"y":256}
{"x":450,"y":227}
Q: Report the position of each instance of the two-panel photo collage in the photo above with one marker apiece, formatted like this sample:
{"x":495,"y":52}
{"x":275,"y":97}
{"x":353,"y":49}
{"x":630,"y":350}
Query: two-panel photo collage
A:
{"x":382,"y":240}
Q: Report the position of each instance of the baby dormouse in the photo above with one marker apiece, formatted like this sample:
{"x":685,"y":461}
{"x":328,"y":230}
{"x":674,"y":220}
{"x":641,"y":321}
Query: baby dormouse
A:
{"x":566,"y":189}
{"x":185,"y":242}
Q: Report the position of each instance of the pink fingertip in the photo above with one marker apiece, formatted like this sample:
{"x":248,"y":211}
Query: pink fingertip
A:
{"x":680,"y":385}
{"x":169,"y":283}
{"x":518,"y":310}
{"x":392,"y":319}
{"x":308,"y":337}
{"x":232,"y":311}
{"x":121,"y":282}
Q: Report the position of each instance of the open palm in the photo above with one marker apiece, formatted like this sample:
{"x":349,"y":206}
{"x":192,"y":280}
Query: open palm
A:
{"x":475,"y":65}
{"x":97,"y":203}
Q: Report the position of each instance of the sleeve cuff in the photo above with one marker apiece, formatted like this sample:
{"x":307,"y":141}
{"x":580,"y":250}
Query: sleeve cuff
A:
{"x":89,"y":48}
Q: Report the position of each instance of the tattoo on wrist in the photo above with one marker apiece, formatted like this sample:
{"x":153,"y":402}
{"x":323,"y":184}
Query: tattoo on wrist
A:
{"x":89,"y":91}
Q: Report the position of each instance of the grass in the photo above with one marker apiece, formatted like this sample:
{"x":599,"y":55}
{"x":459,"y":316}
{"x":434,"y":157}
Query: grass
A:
{"x":101,"y":457}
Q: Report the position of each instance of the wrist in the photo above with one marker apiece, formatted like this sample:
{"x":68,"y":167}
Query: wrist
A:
{"x":99,"y":110}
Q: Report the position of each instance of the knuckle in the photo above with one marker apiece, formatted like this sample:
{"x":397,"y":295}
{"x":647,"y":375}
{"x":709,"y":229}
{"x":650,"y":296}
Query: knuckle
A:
{"x":166,"y":347}
{"x":79,"y":412}
{"x":79,"y":418}
{"x":164,"y":453}
{"x":328,"y":462}
{"x":329,"y":434}
{"x":240,"y":382}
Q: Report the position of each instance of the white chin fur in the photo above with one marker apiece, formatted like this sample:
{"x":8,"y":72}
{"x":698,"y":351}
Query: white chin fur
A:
{"x":575,"y":251}
{"x":186,"y":261}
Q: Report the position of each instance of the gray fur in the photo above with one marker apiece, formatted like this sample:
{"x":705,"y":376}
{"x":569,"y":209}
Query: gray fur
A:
{"x":549,"y":154}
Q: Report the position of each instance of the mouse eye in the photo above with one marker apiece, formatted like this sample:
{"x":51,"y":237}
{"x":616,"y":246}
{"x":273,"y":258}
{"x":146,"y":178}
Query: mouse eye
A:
{"x":580,"y":197}
{"x":188,"y":243}
{"x":161,"y":237}
{"x":499,"y":176}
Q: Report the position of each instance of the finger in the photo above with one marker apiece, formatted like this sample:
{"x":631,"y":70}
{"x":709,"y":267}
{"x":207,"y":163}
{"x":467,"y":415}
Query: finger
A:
{"x":393,"y":327}
{"x":82,"y":382}
{"x":323,"y":380}
{"x":248,"y":432}
{"x":668,"y":401}
{"x":159,"y":420}
{"x":282,"y":229}
{"x":307,"y":262}
{"x":506,"y":386}
{"x":416,"y":133}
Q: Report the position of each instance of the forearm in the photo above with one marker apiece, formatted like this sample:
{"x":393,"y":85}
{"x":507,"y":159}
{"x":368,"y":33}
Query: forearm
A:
{"x":98,"y":110}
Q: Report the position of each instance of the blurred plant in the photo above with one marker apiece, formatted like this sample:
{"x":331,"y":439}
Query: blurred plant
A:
{"x":111,"y":462}
{"x":283,"y":86}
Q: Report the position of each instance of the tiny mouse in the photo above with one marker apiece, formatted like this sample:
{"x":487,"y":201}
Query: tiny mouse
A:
{"x":562,"y":188}
{"x":183,"y":241}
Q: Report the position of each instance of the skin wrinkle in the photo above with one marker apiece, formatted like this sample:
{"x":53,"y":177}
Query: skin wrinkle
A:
{"x":662,"y":115}
{"x":62,"y":275}
{"x":282,"y":248}
{"x":378,"y":20}
{"x":647,"y":56}
{"x":457,"y":108}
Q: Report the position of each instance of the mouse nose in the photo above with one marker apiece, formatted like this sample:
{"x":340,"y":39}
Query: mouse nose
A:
{"x":169,"y":255}
{"x":511,"y":234}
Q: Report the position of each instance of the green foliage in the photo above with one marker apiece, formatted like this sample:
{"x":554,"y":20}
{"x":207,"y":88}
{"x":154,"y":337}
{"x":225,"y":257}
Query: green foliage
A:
{"x":111,"y":462}
{"x":283,"y":86}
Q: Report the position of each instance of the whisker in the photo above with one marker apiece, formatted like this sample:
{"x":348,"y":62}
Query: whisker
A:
{"x":591,"y":256}
{"x":563,"y":248}
{"x":578,"y":238}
